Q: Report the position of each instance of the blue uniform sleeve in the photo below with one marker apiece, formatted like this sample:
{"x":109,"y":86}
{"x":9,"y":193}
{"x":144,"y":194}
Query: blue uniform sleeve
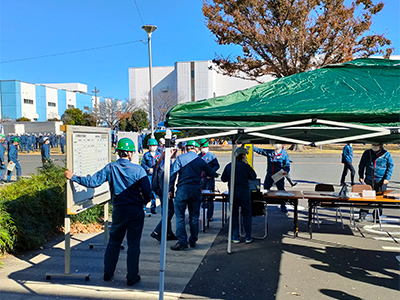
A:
{"x":286,"y":163}
{"x":92,"y":181}
{"x":174,"y":172}
{"x":389,"y":169}
{"x":47,"y":153}
{"x":144,"y":163}
{"x":145,"y":188}
{"x":252,"y":173}
{"x":207,"y":169}
{"x":226,"y":173}
{"x":362,"y":165}
{"x":265,"y":152}
{"x":214,"y":164}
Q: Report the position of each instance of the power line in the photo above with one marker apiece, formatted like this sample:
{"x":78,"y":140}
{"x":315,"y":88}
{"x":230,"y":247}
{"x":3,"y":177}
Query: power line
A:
{"x":71,"y":52}
{"x":137,"y":8}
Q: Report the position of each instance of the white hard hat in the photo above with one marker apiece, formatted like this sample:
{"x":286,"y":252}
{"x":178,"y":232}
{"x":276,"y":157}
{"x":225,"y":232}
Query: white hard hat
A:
{"x":45,"y":139}
{"x":162,"y":141}
{"x":241,"y":150}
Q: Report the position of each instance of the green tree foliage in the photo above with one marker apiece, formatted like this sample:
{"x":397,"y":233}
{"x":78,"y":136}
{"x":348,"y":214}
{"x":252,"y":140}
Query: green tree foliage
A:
{"x":23,"y":119}
{"x":285,"y":37}
{"x":73,"y":116}
{"x":135,"y":121}
{"x":89,"y":119}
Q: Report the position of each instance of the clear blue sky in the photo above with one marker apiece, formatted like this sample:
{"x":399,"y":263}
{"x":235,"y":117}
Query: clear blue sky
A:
{"x":40,"y":28}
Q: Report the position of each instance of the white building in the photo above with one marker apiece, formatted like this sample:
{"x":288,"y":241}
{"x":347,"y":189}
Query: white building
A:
{"x":190,"y":81}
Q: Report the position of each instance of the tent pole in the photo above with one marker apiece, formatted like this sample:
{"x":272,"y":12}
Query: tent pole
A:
{"x":352,"y":138}
{"x":164,"y":225}
{"x":231,"y":195}
{"x":274,"y":137}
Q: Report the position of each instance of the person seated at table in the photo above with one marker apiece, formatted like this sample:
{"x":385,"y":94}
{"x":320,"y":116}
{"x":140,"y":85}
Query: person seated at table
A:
{"x":277,"y":160}
{"x":242,"y":194}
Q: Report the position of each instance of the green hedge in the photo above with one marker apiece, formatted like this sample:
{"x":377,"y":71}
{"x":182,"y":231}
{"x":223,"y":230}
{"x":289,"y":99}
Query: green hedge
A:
{"x":33,"y":209}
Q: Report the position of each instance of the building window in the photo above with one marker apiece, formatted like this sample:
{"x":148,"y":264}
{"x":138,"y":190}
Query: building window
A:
{"x":28,"y":101}
{"x":52,"y":104}
{"x":70,"y":106}
{"x":86,"y":108}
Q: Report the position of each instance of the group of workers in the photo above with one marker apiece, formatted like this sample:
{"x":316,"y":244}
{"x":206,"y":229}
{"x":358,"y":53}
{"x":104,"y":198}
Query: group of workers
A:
{"x":133,"y":186}
{"x":12,"y":144}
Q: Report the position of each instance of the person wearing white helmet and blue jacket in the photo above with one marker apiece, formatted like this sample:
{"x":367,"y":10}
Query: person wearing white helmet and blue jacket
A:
{"x":130,"y":190}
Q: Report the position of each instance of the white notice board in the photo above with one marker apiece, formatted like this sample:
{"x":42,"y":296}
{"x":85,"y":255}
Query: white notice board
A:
{"x":88,"y":150}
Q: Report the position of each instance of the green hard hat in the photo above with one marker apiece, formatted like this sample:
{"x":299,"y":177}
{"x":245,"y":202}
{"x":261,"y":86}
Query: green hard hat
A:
{"x":193,"y":143}
{"x":152,"y":142}
{"x":15,"y":139}
{"x":2,"y":136}
{"x":126,"y":144}
{"x":204,"y":143}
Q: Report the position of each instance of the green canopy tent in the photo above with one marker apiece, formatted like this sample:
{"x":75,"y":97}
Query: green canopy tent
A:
{"x":358,"y":101}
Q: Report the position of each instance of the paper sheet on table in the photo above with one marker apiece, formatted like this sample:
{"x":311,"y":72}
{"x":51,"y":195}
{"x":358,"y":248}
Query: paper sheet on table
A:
{"x":10,"y":167}
{"x":278,"y":175}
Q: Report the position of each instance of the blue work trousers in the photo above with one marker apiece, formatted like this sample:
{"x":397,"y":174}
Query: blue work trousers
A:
{"x":187,"y":196}
{"x":268,"y":182}
{"x":152,"y":195}
{"x":3,"y":171}
{"x":17,"y":169}
{"x":170,"y":214}
{"x":126,"y":219}
{"x":242,"y":199}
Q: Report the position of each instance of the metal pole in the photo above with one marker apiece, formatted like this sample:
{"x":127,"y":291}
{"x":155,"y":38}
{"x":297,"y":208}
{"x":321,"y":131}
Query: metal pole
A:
{"x":164,"y":225}
{"x":231,"y":195}
{"x":151,"y":89}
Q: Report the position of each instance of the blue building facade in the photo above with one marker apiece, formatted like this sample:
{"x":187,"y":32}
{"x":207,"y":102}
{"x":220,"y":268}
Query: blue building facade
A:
{"x":39,"y":102}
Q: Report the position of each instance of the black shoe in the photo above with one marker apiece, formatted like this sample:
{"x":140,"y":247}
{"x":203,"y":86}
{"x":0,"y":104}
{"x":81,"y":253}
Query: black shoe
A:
{"x":156,"y":236}
{"x":283,"y":208}
{"x":153,"y":211}
{"x":178,"y":247}
{"x":294,"y":184}
{"x":172,"y":237}
{"x":107,"y":276}
{"x":133,"y":281}
{"x":192,"y":244}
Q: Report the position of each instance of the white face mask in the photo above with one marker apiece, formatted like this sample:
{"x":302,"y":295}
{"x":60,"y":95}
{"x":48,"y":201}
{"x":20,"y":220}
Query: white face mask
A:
{"x":277,"y":151}
{"x":375,"y":148}
{"x":153,"y":148}
{"x":205,"y":150}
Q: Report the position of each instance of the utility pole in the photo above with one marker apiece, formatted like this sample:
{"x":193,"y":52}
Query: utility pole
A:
{"x":95,"y":91}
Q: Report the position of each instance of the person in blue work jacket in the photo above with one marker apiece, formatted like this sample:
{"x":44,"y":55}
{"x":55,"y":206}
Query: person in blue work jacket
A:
{"x":241,"y":195}
{"x":130,"y":190}
{"x":277,"y":160}
{"x":208,"y":183}
{"x":62,"y":144}
{"x":375,"y":168}
{"x":45,"y":152}
{"x":157,"y":185}
{"x":188,"y":194}
{"x":3,"y":165}
{"x":347,"y":161}
{"x":160,"y":146}
{"x":149,"y":161}
{"x":13,"y":158}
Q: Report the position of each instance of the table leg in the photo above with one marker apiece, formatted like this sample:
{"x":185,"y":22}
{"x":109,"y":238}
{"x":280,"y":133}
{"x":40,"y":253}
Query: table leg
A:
{"x":296,"y":218}
{"x":310,"y":207}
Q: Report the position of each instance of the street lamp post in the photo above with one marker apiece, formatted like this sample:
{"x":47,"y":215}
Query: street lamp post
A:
{"x":150,"y":29}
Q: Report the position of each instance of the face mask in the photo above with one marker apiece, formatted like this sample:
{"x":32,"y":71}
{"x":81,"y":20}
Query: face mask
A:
{"x":277,"y":151}
{"x":375,"y":148}
{"x":204,"y":150}
{"x":153,"y":148}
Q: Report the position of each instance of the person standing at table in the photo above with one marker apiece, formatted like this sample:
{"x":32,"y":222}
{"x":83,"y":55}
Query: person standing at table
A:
{"x":130,"y":190}
{"x":376,"y":169}
{"x":277,"y":160}
{"x":62,"y":143}
{"x":347,"y":161}
{"x":188,"y":194}
{"x":242,"y":194}
{"x":149,"y":161}
{"x":208,"y":183}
